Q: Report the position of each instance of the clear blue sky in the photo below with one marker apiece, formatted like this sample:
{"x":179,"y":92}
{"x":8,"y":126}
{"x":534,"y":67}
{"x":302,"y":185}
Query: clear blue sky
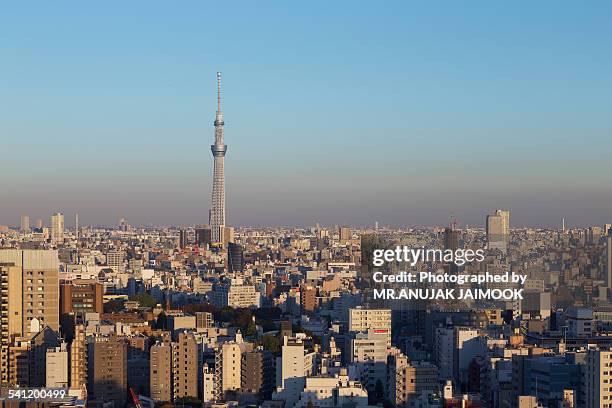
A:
{"x":336,"y":112}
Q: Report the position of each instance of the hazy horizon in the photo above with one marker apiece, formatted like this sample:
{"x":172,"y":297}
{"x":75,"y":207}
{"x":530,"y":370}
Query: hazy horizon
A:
{"x":377,"y":115}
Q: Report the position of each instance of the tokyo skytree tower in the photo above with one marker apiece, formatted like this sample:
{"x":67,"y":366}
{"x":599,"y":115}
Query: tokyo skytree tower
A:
{"x":217,"y":212}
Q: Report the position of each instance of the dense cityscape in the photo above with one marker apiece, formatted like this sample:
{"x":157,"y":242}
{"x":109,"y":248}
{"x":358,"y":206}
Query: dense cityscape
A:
{"x":220,"y":316}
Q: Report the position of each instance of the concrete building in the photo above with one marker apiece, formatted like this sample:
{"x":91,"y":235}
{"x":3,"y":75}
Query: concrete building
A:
{"x":579,"y":322}
{"x":234,"y":293}
{"x":160,"y":376}
{"x":292,"y":368}
{"x":332,"y":392}
{"x":29,"y":297}
{"x":258,"y":373}
{"x":378,"y":320}
{"x":597,"y":379}
{"x":80,"y":296}
{"x":407,"y":381}
{"x":185,"y":366}
{"x":57,"y":369}
{"x":57,"y":228}
{"x":25,"y":224}
{"x":228,"y":366}
{"x":345,"y":235}
{"x":40,"y":343}
{"x":308,"y":298}
{"x":498,"y":230}
{"x":107,"y":370}
{"x":235,"y":257}
{"x":115,"y":260}
{"x":368,"y":358}
{"x":78,"y":359}
{"x":204,"y":320}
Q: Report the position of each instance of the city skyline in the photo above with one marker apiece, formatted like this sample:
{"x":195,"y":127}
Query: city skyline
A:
{"x":471,"y":117}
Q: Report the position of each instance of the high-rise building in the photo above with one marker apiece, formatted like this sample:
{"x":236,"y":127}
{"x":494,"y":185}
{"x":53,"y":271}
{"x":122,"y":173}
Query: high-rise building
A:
{"x":258,"y":373}
{"x":308,"y":298}
{"x":185,"y":364}
{"x":496,"y":238}
{"x":25,"y":223}
{"x":161,"y":372}
{"x":505,"y":214}
{"x":597,"y":379}
{"x":234,"y":293}
{"x":228,"y":368}
{"x":183,"y":239}
{"x":29,"y":298}
{"x":292,"y":368}
{"x":57,"y":228}
{"x":235,"y":257}
{"x":115,"y":260}
{"x":378,"y":320}
{"x":78,"y":359}
{"x":203,"y":236}
{"x":409,"y":380}
{"x":451,"y":242}
{"x":107,"y":370}
{"x":345,"y":235}
{"x":217,"y":212}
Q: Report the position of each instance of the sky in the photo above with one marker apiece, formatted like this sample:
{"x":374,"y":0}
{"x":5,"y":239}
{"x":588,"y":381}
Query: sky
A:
{"x":343,"y":112}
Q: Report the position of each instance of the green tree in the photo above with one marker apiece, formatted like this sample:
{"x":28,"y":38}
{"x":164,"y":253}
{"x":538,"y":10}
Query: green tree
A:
{"x":144,"y":300}
{"x":271,"y":343}
{"x":162,"y":321}
{"x":113,"y":306}
{"x":251,"y":329}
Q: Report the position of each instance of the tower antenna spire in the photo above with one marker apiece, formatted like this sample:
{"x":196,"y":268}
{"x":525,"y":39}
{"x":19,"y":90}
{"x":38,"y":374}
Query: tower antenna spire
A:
{"x":218,"y":91}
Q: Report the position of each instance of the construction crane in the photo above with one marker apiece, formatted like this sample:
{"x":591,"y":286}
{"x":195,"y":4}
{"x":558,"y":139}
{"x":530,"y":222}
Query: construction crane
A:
{"x":137,"y":403}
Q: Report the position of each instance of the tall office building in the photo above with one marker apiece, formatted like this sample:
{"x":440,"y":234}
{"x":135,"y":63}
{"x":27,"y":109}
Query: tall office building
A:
{"x":451,"y":238}
{"x":183,"y":238}
{"x":505,"y":214}
{"x":25,"y":223}
{"x":203,"y":236}
{"x":345,"y":235}
{"x":498,"y":230}
{"x":57,"y":227}
{"x":235,"y":257}
{"x":217,"y":212}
